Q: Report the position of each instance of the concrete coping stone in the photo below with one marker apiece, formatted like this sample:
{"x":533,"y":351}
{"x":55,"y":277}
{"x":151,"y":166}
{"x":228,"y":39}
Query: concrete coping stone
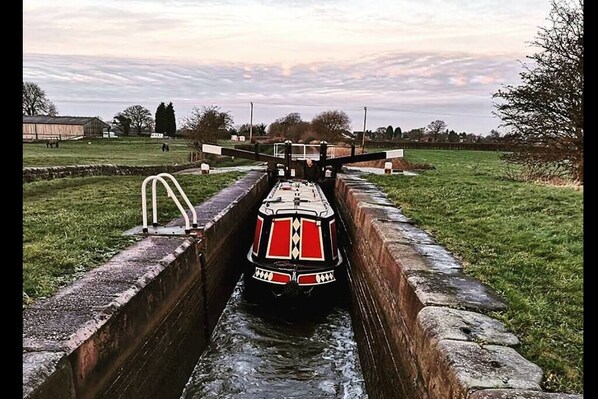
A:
{"x":409,"y":259}
{"x":454,"y":290}
{"x":438,"y":256}
{"x":489,"y":366}
{"x":386,"y":213}
{"x":53,"y":328}
{"x":401,"y":231}
{"x":369,"y":195}
{"x":441,"y":323}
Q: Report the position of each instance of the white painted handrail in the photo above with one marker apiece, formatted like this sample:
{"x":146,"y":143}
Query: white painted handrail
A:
{"x":181,"y":192}
{"x":170,"y":194}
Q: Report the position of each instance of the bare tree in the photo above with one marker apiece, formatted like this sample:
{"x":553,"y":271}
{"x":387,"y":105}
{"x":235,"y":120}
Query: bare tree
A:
{"x":275,"y":129}
{"x":291,"y":119}
{"x":35,"y":101}
{"x":139,"y":116}
{"x":494,"y":136}
{"x":545,"y":113}
{"x":290,"y":126}
{"x":415,"y":134}
{"x":299,"y":131}
{"x":258,"y":130}
{"x":329,"y":125}
{"x":379,"y":133}
{"x":208,"y":124}
{"x":435,"y":128}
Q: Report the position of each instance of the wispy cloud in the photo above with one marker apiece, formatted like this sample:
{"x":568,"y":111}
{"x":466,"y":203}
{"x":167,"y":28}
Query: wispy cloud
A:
{"x":403,"y":82}
{"x":265,"y":31}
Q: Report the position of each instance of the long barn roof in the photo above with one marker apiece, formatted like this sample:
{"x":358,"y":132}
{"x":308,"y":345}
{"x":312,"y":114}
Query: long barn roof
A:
{"x":61,"y":120}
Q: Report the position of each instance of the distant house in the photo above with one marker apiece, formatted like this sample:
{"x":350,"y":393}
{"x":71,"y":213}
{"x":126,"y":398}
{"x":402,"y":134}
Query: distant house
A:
{"x":62,"y":127}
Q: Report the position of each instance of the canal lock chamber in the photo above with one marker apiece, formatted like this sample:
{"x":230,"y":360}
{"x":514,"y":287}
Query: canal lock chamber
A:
{"x":269,"y":347}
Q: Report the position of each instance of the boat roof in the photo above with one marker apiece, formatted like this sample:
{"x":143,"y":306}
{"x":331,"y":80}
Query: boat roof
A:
{"x":296,"y":196}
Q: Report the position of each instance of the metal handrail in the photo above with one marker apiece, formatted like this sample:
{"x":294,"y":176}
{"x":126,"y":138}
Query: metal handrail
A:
{"x":170,"y":194}
{"x":181,"y":192}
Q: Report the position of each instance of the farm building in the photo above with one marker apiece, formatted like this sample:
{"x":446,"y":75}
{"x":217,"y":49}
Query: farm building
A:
{"x":62,"y":127}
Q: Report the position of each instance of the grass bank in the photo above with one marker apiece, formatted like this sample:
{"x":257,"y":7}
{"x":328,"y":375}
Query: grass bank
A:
{"x":523,"y":239}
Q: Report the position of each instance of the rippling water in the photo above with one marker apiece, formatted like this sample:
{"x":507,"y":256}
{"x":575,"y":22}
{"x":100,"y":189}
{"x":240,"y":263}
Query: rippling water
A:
{"x":263,"y":349}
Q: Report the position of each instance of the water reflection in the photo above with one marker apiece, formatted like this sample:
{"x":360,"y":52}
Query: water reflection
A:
{"x":265,"y":349}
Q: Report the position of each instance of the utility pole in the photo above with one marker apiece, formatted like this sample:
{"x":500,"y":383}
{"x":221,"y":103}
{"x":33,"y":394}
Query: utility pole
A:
{"x":251,"y":123}
{"x":363,"y":135}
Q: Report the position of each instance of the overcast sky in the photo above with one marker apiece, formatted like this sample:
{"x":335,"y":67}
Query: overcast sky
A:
{"x":408,"y":61}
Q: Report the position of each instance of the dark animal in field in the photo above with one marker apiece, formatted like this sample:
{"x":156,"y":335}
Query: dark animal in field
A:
{"x":52,"y":143}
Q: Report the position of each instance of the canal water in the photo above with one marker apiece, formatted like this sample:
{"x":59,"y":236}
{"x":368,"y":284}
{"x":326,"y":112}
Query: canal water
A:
{"x":262,"y":348}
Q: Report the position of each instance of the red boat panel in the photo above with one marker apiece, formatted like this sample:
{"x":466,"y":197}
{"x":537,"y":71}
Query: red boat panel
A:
{"x":280,"y":278}
{"x":307,"y":279}
{"x":311,"y":240}
{"x":279,"y":245}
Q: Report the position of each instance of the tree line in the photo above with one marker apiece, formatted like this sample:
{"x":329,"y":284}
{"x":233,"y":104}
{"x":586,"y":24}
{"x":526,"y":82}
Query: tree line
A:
{"x":140,"y":119}
{"x":210,"y":124}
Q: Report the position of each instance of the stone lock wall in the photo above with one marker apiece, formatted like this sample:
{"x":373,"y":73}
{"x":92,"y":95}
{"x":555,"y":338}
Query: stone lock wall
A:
{"x":419,"y":320}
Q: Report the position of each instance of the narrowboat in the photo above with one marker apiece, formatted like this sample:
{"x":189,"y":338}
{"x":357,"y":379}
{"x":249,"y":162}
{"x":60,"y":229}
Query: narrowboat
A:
{"x":294,"y":248}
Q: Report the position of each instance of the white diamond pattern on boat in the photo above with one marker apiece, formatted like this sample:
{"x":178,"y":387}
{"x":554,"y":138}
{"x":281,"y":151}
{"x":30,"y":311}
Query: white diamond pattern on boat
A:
{"x":262,"y":274}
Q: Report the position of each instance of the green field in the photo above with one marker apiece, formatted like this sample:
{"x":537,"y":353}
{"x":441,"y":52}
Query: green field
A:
{"x":130,"y":151}
{"x":523,"y":239}
{"x":122,"y":151}
{"x":71,"y":225}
